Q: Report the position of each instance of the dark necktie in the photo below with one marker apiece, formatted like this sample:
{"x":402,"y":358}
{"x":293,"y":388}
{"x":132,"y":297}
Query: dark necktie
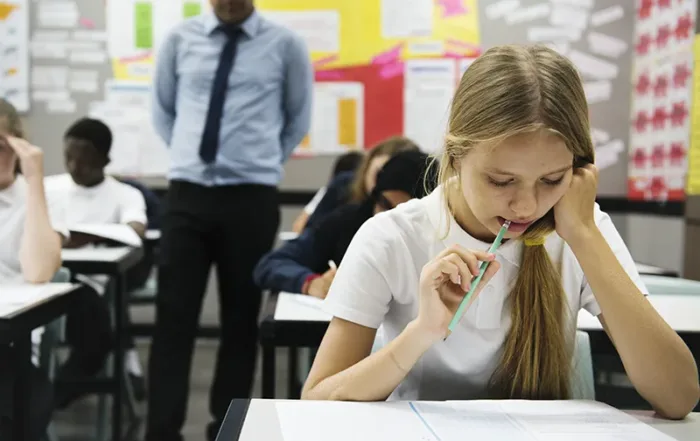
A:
{"x":210,"y":138}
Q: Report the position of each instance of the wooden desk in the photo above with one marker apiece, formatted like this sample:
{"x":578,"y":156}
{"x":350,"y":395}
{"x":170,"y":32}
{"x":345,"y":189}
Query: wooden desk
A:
{"x":254,"y":420}
{"x":24,"y":308}
{"x":114,"y":262}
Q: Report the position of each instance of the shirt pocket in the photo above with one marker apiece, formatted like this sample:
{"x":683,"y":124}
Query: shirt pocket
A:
{"x":198,"y":80}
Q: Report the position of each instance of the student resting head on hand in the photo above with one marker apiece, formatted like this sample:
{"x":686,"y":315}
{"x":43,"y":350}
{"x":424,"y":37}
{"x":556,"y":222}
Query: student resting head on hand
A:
{"x":518,"y":148}
{"x":301,"y":265}
{"x":358,"y":185}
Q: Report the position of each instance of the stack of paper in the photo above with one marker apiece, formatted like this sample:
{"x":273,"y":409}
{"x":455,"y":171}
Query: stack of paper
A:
{"x":458,"y":421}
{"x":300,"y":307}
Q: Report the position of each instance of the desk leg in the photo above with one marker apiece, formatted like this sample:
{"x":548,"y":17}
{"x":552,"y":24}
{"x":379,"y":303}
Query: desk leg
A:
{"x":118,"y":371}
{"x":22,"y":354}
{"x":293,"y":391}
{"x":268,"y":371}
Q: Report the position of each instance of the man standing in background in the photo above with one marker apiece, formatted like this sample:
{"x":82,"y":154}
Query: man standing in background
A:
{"x":233,"y":95}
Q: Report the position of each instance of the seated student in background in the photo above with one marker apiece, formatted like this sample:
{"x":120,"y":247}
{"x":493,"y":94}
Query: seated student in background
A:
{"x":345,"y":164}
{"x":30,"y":251}
{"x":89,"y":196}
{"x":301,"y":265}
{"x":356,"y":187}
{"x":518,"y":148}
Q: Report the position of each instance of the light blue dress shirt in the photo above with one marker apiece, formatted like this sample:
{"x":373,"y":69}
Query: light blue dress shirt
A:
{"x":267,"y":111}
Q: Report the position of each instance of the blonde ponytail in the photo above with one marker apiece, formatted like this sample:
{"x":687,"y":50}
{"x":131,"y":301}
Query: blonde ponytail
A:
{"x":536,"y":354}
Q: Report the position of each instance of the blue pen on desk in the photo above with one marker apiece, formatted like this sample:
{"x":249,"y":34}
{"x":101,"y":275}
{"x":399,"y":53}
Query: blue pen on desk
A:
{"x":475,"y":282}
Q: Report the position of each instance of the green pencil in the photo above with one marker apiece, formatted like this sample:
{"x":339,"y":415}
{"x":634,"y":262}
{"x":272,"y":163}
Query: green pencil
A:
{"x":482,"y":269}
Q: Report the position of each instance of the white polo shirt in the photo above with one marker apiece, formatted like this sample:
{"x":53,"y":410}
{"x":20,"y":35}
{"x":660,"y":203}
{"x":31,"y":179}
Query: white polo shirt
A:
{"x":13,"y":207}
{"x":377,"y":285}
{"x":110,"y":202}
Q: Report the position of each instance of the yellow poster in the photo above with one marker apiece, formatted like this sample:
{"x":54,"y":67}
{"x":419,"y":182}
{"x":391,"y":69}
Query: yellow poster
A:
{"x":693,"y":176}
{"x":338,"y":33}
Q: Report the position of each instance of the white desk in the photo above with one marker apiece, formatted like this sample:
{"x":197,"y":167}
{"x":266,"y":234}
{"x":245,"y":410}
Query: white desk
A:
{"x":681,"y":312}
{"x":645,"y":269}
{"x":261,"y":423}
{"x":15,"y":299}
{"x":153,"y":235}
{"x":300,"y":307}
{"x":95,"y":254}
{"x":285,"y":236}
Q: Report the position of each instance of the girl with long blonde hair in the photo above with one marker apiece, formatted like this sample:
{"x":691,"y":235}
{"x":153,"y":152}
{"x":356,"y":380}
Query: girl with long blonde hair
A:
{"x":518,"y":149}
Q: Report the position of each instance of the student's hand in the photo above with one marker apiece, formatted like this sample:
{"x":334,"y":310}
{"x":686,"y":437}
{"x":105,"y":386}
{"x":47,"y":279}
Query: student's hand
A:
{"x":320,"y":286}
{"x":444,"y":282}
{"x":573,"y":213}
{"x":31,"y":158}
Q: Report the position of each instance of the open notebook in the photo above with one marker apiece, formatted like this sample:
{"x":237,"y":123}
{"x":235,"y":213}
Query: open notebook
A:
{"x":117,"y":232}
{"x":512,"y":420}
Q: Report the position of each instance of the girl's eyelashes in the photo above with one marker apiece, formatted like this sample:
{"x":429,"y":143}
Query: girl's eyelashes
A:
{"x":498,"y":183}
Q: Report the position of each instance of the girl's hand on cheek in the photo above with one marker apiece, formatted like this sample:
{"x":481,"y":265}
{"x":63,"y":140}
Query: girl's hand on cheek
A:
{"x":574,"y":211}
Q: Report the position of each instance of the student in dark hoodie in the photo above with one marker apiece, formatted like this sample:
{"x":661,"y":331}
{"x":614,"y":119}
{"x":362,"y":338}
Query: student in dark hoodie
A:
{"x":302,"y":265}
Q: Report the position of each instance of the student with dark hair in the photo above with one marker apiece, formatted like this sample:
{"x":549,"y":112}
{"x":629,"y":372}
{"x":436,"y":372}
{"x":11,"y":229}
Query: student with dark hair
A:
{"x":301,"y":265}
{"x":87,"y":195}
{"x":345,"y":165}
{"x":357,"y":186}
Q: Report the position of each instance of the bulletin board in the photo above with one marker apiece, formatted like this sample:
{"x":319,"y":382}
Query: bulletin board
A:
{"x":382,"y":67}
{"x":14,"y":53}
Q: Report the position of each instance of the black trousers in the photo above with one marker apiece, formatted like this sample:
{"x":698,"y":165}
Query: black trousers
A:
{"x":230,"y":227}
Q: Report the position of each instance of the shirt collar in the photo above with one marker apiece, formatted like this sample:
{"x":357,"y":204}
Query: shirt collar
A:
{"x":437,"y":213}
{"x":250,"y":26}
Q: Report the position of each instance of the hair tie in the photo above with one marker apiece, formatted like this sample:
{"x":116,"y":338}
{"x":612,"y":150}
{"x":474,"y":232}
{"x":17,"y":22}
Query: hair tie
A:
{"x":536,"y":241}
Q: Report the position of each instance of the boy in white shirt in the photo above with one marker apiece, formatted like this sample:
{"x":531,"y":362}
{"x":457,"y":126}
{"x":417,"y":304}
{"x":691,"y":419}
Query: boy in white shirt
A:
{"x":30,"y":251}
{"x":88,"y":196}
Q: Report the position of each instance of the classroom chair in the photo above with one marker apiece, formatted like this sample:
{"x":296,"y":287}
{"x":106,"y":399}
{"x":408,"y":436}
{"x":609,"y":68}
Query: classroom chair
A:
{"x":582,"y":383}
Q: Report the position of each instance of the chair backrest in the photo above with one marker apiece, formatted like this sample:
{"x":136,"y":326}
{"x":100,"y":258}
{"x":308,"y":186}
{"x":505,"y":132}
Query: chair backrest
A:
{"x":582,"y":382}
{"x":658,"y":285}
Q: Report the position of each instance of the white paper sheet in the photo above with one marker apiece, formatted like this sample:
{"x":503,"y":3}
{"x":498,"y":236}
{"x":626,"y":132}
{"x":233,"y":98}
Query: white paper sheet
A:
{"x":117,"y":232}
{"x":88,"y":57}
{"x":607,"y":15}
{"x":511,"y":420}
{"x":14,"y":55}
{"x":55,"y":36}
{"x":319,"y":29}
{"x":419,"y":48}
{"x":606,"y":45}
{"x":47,"y":77}
{"x":60,"y":107}
{"x":47,"y":50}
{"x":564,"y":15}
{"x":608,"y":154}
{"x":594,"y":67}
{"x":599,"y":136}
{"x":85,"y":35}
{"x":531,"y":13}
{"x":58,"y":14}
{"x":597,"y":91}
{"x":82,"y":80}
{"x":300,"y":307}
{"x":325,"y":134}
{"x":406,"y":18}
{"x":579,"y":3}
{"x":90,"y":254}
{"x":538,"y":34}
{"x":429,"y":86}
{"x":14,"y":298}
{"x":500,"y":8}
{"x":50,"y":95}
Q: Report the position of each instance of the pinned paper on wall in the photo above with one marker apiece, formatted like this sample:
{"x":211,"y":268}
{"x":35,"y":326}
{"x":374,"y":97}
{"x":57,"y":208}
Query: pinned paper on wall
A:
{"x":14,"y":53}
{"x":429,"y":86}
{"x":606,"y":45}
{"x":84,"y":80}
{"x":501,"y":8}
{"x":58,"y":14}
{"x":337,"y":124}
{"x":563,"y":15}
{"x":594,"y":67}
{"x":406,"y":18}
{"x":530,"y":13}
{"x":320,"y":30}
{"x":607,"y":15}
{"x":49,"y":77}
{"x":597,"y":91}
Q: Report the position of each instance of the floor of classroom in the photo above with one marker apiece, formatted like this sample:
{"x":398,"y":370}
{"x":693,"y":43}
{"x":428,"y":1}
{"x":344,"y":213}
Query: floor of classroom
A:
{"x":78,"y":422}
